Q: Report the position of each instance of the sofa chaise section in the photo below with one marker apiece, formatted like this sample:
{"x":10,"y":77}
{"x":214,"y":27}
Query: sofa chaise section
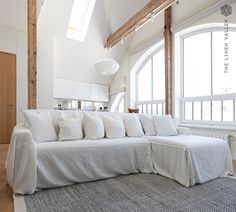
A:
{"x":191,"y":159}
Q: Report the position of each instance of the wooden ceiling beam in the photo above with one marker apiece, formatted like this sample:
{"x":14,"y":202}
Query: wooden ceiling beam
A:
{"x":153,"y":8}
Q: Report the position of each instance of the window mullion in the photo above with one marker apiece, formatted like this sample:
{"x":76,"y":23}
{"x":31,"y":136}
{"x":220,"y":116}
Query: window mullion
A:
{"x":201,"y":111}
{"x":222,"y":110}
{"x":234,"y":110}
{"x":152,"y":77}
{"x":211,"y":65}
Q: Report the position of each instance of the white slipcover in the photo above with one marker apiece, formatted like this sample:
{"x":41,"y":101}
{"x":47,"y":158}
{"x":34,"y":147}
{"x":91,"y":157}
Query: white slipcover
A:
{"x":191,"y":159}
{"x":32,"y":166}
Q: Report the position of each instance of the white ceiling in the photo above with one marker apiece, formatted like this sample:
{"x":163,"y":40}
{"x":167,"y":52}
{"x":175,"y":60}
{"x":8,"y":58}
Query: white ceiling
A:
{"x":54,"y":19}
{"x":13,"y":14}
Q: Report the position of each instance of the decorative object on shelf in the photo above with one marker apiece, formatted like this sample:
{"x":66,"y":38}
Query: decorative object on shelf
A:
{"x":131,"y":110}
{"x":107,"y":65}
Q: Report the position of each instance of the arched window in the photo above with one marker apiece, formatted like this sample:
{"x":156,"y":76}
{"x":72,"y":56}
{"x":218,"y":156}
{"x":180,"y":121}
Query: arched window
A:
{"x":209,"y":74}
{"x":150,"y":85}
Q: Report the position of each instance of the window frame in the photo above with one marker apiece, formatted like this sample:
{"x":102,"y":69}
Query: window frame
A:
{"x":210,"y":98}
{"x":117,"y":101}
{"x":156,"y":102}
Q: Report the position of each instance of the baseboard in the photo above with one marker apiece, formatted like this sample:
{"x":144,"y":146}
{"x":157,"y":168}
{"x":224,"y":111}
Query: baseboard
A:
{"x":19,"y":203}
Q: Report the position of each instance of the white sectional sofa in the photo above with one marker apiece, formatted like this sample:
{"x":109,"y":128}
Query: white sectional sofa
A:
{"x":58,"y":148}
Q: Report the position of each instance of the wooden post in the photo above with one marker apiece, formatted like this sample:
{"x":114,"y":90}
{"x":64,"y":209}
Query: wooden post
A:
{"x":32,"y":54}
{"x":168,"y":61}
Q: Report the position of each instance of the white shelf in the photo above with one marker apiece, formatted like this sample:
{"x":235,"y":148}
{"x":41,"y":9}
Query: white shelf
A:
{"x":72,"y":89}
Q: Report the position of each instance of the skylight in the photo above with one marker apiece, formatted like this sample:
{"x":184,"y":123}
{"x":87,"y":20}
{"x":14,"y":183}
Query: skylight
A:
{"x":80,"y":18}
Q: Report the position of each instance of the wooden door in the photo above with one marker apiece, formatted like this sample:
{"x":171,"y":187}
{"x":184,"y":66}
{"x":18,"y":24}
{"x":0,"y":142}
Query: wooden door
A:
{"x":7,"y":95}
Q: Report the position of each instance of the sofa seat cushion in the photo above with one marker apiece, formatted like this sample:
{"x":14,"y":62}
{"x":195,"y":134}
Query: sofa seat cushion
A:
{"x":65,"y":163}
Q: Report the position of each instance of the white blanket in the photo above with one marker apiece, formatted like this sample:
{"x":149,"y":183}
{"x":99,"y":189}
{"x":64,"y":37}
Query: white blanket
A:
{"x":31,"y":166}
{"x":191,"y":159}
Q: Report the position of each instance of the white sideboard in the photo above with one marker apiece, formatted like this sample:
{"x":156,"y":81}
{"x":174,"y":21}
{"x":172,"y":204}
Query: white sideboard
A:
{"x":72,"y":89}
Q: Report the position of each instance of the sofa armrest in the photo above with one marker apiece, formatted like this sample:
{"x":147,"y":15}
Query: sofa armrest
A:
{"x":21,"y":161}
{"x":183,"y":131}
{"x":22,"y":134}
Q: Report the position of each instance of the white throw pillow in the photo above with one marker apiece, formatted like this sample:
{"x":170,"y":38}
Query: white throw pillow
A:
{"x":93,"y":127}
{"x":40,"y":125}
{"x":183,"y":131}
{"x":164,"y":125}
{"x":58,"y":115}
{"x":147,"y":124}
{"x":132,"y":125}
{"x":114,"y":127}
{"x":70,"y":129}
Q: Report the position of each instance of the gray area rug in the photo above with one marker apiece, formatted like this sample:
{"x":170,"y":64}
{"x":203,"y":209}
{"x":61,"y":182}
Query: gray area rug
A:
{"x":136,"y":193}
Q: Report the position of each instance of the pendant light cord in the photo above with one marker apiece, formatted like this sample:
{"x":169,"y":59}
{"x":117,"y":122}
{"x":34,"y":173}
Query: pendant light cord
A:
{"x":106,"y":20}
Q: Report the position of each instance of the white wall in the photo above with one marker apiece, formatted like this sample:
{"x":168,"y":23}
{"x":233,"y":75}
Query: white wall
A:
{"x":45,"y":71}
{"x":15,"y":42}
{"x":75,"y":60}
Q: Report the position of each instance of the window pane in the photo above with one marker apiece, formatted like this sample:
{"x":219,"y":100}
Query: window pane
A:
{"x":228,"y":110}
{"x":188,"y":111}
{"x":144,"y":109}
{"x":140,"y":109}
{"x":149,"y":108}
{"x":216,"y":111}
{"x":206,"y":111}
{"x":224,"y":63}
{"x":197,"y":110}
{"x":144,"y":83}
{"x":197,"y":65}
{"x":154,"y":108}
{"x":160,"y":112}
{"x":159,"y":76}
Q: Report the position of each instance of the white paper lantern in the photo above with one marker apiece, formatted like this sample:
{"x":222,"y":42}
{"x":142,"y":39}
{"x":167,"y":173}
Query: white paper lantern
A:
{"x":107,"y":66}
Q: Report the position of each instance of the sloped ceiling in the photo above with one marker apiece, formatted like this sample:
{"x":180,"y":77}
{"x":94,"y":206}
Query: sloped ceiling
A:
{"x":81,"y":56}
{"x":55,"y":14}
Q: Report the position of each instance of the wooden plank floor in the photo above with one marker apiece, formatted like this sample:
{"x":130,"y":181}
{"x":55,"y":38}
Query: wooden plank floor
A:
{"x":6,"y":202}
